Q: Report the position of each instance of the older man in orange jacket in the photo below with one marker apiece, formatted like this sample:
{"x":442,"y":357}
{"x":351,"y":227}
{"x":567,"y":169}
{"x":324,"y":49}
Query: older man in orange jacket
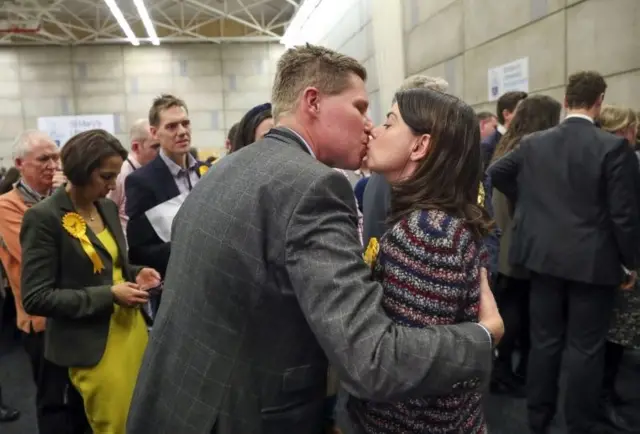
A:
{"x":36,"y":157}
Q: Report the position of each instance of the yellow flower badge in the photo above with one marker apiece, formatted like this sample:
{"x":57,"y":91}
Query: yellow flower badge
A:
{"x":203,"y":169}
{"x":371,"y":253}
{"x":77,"y":228}
{"x":481,"y":195}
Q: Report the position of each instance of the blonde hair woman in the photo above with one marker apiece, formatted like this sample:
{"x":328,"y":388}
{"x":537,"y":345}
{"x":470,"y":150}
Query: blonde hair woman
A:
{"x":620,"y":121}
{"x":625,"y":326}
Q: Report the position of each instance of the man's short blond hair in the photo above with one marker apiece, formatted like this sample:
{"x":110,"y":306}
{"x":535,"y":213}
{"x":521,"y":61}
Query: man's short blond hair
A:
{"x":311,"y":66}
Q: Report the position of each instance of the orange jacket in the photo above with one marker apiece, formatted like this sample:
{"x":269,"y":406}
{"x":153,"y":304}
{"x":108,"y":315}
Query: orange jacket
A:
{"x":12,"y":209}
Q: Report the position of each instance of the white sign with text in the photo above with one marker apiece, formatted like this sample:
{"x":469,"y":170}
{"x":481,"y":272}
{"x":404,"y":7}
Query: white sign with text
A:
{"x":512,"y":76}
{"x":62,"y":128}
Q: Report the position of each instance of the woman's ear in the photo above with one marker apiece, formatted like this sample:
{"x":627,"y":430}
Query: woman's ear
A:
{"x":420,"y":148}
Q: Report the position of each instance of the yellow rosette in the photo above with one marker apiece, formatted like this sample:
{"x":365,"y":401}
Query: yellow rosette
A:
{"x":203,"y":169}
{"x":77,"y":228}
{"x":481,"y":195}
{"x":371,"y":253}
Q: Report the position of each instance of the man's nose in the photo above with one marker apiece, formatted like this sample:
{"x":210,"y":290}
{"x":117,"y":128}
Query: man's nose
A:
{"x":368,"y":125}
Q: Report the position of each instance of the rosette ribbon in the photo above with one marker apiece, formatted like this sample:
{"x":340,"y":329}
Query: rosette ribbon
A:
{"x":371,"y":254}
{"x":75,"y":225}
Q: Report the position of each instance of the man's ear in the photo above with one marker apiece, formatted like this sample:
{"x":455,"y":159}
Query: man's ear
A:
{"x":135,"y":146}
{"x":311,"y":101}
{"x":420,"y":148}
{"x":154,"y":131}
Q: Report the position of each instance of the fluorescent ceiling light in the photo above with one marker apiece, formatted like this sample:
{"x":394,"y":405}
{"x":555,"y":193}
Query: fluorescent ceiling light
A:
{"x":146,"y":20}
{"x":124,"y":25}
{"x":313,"y":20}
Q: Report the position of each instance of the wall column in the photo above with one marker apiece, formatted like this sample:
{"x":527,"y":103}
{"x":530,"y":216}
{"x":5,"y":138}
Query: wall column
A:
{"x":388,"y":43}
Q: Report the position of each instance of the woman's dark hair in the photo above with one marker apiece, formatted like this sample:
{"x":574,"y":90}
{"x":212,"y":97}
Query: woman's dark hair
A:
{"x":11,"y":177}
{"x":536,"y":113}
{"x":85,"y":152}
{"x":246,"y":130}
{"x":449,"y":176}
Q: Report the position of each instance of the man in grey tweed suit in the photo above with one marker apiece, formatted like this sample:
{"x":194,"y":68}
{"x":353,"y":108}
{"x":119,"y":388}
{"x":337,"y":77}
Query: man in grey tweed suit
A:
{"x":266,"y":283}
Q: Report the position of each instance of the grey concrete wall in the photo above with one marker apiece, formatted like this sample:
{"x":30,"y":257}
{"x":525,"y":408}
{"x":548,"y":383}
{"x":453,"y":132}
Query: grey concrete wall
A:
{"x":461,"y":39}
{"x":218,"y":83}
{"x":352,"y":34}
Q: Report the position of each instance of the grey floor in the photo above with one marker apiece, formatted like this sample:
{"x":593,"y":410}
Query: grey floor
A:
{"x":504,"y":415}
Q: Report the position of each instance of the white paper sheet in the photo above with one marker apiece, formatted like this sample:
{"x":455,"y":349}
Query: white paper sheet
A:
{"x":161,"y":216}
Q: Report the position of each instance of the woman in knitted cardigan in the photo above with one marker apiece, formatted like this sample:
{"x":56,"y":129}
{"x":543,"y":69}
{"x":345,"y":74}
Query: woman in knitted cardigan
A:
{"x":430,"y":261}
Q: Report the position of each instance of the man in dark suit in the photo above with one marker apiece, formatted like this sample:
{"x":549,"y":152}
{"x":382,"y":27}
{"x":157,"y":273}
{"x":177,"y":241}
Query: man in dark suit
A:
{"x":266,"y":282}
{"x":173,"y":173}
{"x":575,"y":225}
{"x":506,"y":108}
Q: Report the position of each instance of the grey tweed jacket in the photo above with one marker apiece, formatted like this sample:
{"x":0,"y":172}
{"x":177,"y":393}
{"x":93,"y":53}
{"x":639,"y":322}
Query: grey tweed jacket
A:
{"x":265,"y":286}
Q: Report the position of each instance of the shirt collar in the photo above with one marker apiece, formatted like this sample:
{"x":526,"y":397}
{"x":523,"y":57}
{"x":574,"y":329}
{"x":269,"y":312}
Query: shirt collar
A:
{"x":29,"y":195}
{"x":303,"y":141}
{"x":501,"y":129}
{"x":174,"y":168}
{"x":579,"y":115}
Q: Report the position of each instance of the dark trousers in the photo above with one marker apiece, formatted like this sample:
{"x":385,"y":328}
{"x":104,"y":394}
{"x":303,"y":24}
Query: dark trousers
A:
{"x":59,"y":407}
{"x":613,"y":358}
{"x":512,"y":297}
{"x":576,"y":314}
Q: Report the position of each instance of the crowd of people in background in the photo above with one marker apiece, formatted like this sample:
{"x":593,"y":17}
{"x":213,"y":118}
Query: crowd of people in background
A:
{"x":323,"y":250}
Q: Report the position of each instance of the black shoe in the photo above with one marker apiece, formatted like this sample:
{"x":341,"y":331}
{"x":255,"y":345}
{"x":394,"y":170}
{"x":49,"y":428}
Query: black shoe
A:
{"x":8,"y":414}
{"x":509,"y":387}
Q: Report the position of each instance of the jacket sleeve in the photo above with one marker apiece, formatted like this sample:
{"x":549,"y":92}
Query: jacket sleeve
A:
{"x":504,"y":173}
{"x":145,"y":247}
{"x":10,"y":223}
{"x":622,"y":184}
{"x":40,"y":262}
{"x":375,"y":358}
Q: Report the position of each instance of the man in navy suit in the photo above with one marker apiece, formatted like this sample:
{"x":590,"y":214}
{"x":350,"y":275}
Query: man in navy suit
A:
{"x":505,"y":109}
{"x":174,"y":172}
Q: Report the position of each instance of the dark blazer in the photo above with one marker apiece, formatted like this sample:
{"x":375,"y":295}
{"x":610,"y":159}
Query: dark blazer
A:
{"x":58,"y":280}
{"x":145,"y":188}
{"x":376,"y":202}
{"x":488,"y":147}
{"x":576,"y":216}
{"x":266,"y":281}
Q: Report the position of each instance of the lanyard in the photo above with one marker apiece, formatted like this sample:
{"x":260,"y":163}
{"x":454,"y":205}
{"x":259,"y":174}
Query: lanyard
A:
{"x":131,"y":164}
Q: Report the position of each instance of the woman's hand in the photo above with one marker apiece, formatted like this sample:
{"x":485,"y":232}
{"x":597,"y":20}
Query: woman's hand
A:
{"x":148,"y":278}
{"x":129,"y":294}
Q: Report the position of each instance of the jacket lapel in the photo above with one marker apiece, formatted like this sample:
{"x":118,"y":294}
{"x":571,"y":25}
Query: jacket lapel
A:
{"x":62,"y":199}
{"x":166,"y":187}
